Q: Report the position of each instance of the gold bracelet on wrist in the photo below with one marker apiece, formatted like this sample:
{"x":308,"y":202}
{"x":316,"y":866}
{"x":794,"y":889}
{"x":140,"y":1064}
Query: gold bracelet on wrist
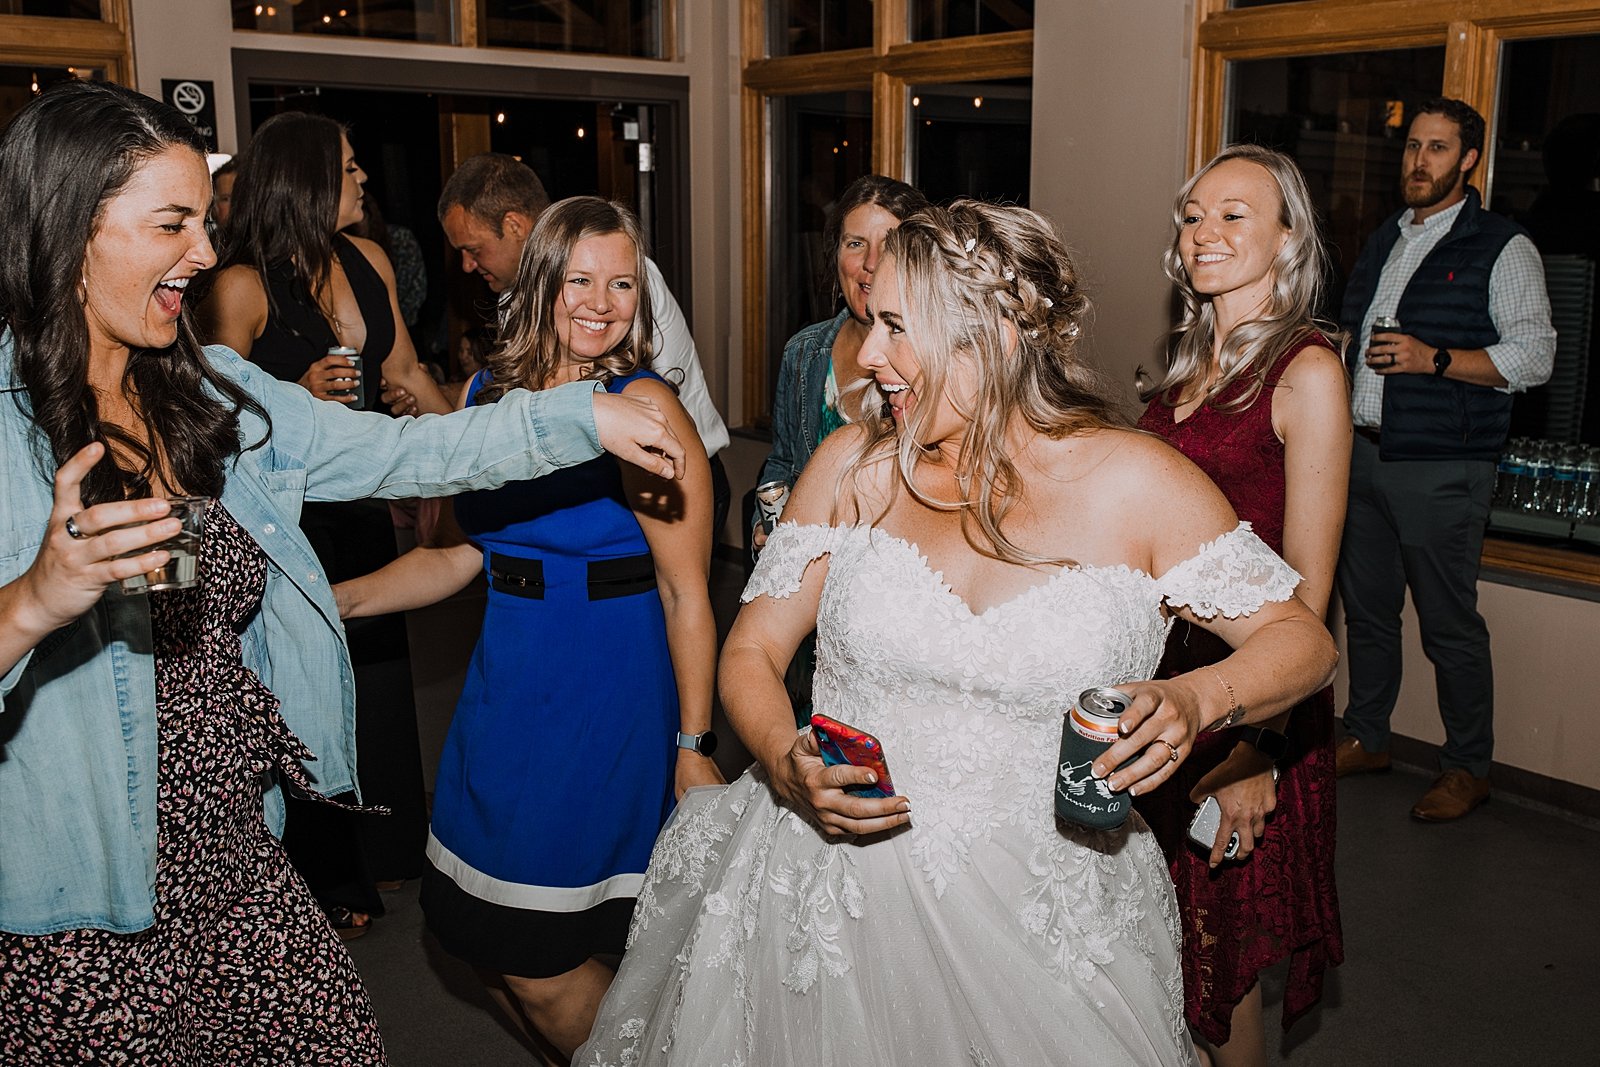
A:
{"x":1235,"y":711}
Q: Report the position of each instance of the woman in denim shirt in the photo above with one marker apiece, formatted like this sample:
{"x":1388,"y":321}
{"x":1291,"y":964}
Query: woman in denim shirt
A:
{"x":819,"y":362}
{"x":139,"y":882}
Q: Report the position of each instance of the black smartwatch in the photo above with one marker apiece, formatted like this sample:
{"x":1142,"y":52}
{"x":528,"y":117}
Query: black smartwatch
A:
{"x":1270,"y":743}
{"x":1441,"y":361}
{"x":705,"y":743}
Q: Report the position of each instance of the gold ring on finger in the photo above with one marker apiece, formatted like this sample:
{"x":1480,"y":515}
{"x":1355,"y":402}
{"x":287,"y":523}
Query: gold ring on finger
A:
{"x":1170,"y":747}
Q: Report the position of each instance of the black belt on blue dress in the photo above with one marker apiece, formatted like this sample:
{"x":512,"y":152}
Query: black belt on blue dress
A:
{"x":608,"y":578}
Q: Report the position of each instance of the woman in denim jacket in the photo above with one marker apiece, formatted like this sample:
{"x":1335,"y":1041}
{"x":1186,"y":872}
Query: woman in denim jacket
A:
{"x":819,"y":362}
{"x":145,"y":906}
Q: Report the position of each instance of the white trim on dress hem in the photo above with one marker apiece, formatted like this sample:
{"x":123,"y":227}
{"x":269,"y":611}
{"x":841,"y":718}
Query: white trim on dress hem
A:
{"x":529,"y":897}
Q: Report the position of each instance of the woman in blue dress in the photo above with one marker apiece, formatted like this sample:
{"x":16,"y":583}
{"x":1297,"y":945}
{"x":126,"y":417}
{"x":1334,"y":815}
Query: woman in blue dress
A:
{"x":587,"y":704}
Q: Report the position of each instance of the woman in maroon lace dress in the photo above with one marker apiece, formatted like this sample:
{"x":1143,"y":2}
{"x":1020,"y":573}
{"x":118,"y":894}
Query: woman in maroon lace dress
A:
{"x":1256,"y":396}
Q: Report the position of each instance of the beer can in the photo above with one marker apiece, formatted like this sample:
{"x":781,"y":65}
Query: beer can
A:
{"x":770,"y":498}
{"x":354,"y":359}
{"x":1385,"y":324}
{"x":1088,"y":727}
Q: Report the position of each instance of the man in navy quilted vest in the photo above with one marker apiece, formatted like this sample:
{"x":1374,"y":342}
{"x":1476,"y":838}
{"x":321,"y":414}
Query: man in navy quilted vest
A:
{"x":1431,"y":402}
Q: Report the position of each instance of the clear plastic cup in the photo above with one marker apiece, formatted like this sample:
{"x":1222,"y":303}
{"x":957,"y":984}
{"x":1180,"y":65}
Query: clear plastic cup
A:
{"x":182,"y":569}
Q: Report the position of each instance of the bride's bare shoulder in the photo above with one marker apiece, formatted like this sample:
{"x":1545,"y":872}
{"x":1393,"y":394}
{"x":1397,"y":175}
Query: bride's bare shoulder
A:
{"x":844,"y":480}
{"x":1131,"y":468}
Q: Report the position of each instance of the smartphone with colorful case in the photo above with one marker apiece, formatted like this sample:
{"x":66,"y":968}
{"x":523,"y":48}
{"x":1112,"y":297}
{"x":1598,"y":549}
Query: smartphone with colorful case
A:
{"x":845,"y":744}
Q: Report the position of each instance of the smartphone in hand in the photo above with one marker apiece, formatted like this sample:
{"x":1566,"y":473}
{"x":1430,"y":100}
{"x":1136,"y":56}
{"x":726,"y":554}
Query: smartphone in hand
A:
{"x":1204,"y":826}
{"x":845,"y":744}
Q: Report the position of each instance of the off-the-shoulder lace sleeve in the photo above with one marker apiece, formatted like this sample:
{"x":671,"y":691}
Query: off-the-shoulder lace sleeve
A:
{"x":1233,"y":575}
{"x":782,"y":563}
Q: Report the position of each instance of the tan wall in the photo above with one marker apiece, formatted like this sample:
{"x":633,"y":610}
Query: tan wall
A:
{"x":1110,"y":93}
{"x":180,"y":39}
{"x":1546,"y":687}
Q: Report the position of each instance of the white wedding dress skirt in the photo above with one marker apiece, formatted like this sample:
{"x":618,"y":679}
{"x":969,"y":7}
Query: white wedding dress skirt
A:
{"x":986,"y":933}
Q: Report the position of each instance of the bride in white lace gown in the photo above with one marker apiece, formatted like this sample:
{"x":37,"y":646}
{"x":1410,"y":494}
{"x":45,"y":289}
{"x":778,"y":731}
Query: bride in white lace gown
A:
{"x":785,"y":921}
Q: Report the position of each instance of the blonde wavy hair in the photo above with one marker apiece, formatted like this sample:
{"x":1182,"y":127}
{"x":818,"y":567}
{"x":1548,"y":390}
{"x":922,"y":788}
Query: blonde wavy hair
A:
{"x":966,"y":272}
{"x":530,"y":352}
{"x":1300,"y":273}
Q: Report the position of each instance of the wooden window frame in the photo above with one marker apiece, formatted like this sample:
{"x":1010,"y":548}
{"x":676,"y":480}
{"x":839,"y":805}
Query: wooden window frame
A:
{"x":887,"y":70}
{"x":1471,"y":32}
{"x":56,"y":42}
{"x":470,"y":18}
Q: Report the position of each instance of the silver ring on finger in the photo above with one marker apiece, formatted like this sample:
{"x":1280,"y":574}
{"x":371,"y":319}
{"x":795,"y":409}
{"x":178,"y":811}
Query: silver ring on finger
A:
{"x":72,"y":527}
{"x":1172,"y":748}
{"x":1233,"y":847}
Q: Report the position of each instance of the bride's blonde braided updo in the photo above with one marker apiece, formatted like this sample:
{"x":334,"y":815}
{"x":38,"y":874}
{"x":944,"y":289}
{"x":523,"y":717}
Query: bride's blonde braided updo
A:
{"x":992,"y":285}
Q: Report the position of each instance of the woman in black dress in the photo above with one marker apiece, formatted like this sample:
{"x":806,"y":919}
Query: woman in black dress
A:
{"x":291,"y":288}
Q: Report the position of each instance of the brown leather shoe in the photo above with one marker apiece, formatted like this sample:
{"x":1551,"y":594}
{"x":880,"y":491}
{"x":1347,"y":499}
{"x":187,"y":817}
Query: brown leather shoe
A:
{"x":1351,"y":758}
{"x":1455,"y":793}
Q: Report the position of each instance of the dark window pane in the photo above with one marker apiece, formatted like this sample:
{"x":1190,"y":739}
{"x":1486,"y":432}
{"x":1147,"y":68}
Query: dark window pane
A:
{"x":608,"y":27}
{"x":972,"y":139}
{"x":1343,"y":118}
{"x":404,"y":20}
{"x":1547,"y":177}
{"x":801,"y":27}
{"x":20,"y":83}
{"x":55,"y":9}
{"x":820,"y":144}
{"x":934,"y":19}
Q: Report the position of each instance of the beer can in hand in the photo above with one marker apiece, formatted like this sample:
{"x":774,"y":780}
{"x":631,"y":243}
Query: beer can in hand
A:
{"x":770,"y":498}
{"x":1090,"y":725}
{"x":355,"y":390}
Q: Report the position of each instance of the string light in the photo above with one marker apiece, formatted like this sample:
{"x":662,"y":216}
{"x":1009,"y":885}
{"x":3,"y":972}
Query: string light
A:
{"x":327,"y":20}
{"x":36,"y":82}
{"x":500,"y":116}
{"x":977,"y":101}
{"x":916,"y":101}
{"x":580,"y":133}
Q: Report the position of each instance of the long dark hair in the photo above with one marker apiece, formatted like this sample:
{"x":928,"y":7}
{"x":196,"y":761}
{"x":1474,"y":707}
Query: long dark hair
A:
{"x":285,"y":206}
{"x":62,"y":159}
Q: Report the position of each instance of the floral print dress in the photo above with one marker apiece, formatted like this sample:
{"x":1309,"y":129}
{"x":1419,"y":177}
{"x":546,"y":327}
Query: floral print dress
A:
{"x":240,"y":966}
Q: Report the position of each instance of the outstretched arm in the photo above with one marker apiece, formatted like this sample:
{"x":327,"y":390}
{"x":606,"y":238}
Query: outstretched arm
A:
{"x":425,"y":575}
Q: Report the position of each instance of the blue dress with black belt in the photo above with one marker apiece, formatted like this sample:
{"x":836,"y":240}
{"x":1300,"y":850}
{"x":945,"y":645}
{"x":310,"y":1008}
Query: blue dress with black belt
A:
{"x":557,"y":772}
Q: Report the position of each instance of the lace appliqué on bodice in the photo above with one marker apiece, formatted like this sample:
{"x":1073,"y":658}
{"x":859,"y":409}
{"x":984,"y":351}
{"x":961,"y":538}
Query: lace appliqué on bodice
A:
{"x":968,"y":706}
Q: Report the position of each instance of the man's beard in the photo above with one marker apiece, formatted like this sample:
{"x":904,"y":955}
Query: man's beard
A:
{"x":1433,"y":192}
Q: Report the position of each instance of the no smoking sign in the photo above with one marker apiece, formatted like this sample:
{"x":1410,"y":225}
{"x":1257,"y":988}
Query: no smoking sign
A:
{"x":196,"y":100}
